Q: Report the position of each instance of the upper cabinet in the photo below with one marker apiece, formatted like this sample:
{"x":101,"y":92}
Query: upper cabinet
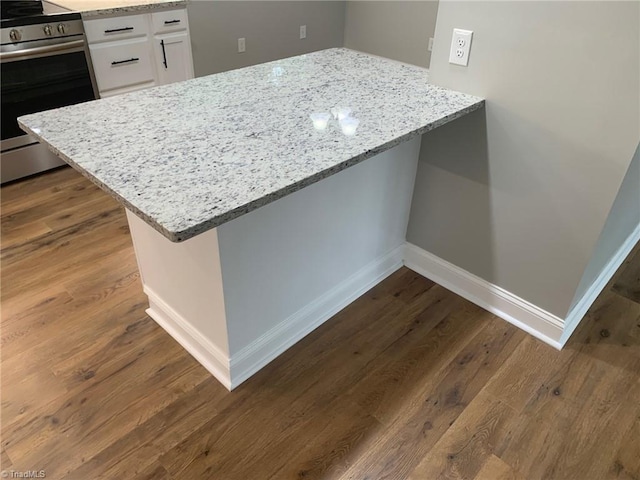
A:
{"x":131,"y":52}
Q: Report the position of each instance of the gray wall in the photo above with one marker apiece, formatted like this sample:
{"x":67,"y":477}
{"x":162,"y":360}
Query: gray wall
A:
{"x":271,"y":29}
{"x":523,"y":206}
{"x":395,"y":29}
{"x":622,"y":220}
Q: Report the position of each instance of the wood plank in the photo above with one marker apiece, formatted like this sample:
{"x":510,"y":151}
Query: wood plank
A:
{"x":155,"y":472}
{"x":408,"y":288}
{"x":344,"y":432}
{"x":425,"y":413}
{"x":143,"y":445}
{"x":100,"y":206}
{"x":611,"y":325}
{"x":466,"y":446}
{"x":627,"y":282}
{"x":348,"y":358}
{"x":23,"y":233}
{"x":515,"y":382}
{"x":222,"y":440}
{"x":626,"y":461}
{"x":32,"y":383}
{"x":5,"y":461}
{"x":22,"y":192}
{"x":61,"y":256}
{"x":496,"y":469}
{"x":114,"y":406}
{"x":36,"y":330}
{"x":548,"y":445}
{"x":49,"y":202}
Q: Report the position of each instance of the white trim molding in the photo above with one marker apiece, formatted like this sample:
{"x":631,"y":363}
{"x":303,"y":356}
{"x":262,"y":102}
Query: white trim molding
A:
{"x":543,"y":325}
{"x":515,"y":310}
{"x":200,"y":348}
{"x":266,"y":348}
{"x":580,"y":309}
{"x":232,"y":371}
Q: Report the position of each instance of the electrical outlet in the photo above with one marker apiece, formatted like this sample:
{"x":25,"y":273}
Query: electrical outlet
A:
{"x":460,"y":47}
{"x":430,"y":47}
{"x":303,"y":31}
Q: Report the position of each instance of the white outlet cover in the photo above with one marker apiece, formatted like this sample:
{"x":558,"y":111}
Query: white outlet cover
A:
{"x":303,"y":31}
{"x":241,"y":45}
{"x":460,"y":47}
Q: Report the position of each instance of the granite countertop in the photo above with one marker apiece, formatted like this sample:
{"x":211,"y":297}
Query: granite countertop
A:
{"x":96,"y":8}
{"x":193,"y":155}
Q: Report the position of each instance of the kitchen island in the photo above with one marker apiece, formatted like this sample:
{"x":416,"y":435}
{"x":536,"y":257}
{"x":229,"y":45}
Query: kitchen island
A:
{"x":252,"y":224}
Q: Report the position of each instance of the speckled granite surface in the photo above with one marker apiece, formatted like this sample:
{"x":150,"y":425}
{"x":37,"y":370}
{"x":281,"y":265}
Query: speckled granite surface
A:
{"x":98,"y":8}
{"x":190,"y":156}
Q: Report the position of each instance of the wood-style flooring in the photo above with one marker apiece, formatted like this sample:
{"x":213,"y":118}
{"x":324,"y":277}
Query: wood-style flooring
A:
{"x":409,"y":382}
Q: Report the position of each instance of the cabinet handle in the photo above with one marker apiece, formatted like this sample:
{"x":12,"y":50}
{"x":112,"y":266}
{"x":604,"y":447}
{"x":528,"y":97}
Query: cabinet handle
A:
{"x":169,"y":22}
{"x":123,"y":29}
{"x":120,"y":62}
{"x":164,"y":54}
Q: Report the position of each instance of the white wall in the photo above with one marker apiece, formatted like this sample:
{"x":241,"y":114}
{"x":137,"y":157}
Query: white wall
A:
{"x":622,"y":220}
{"x":394,"y":29}
{"x":271,"y":30}
{"x":283,"y":257}
{"x":524,"y":207}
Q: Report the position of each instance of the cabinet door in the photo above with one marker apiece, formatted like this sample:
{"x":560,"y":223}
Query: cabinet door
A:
{"x":173,"y":57}
{"x":167,"y":21}
{"x":116,"y":28}
{"x":123,"y":64}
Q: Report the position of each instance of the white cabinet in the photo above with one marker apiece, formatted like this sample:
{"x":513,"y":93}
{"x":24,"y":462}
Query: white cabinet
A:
{"x":116,"y":28}
{"x":122,"y":64}
{"x":173,"y":57}
{"x":172,"y":46}
{"x":169,"y":21}
{"x":131,"y":52}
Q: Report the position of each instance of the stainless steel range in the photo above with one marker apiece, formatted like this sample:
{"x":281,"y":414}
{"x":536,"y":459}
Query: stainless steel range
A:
{"x":44,"y":64}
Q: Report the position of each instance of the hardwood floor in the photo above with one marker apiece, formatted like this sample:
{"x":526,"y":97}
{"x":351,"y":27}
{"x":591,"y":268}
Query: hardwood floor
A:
{"x":408,"y":382}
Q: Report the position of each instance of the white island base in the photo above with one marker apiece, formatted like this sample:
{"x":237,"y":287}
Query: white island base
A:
{"x":238,"y":295}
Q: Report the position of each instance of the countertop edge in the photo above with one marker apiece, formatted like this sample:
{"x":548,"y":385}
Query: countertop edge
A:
{"x":125,"y":9}
{"x":181,"y":236}
{"x":289,"y":189}
{"x":119,"y":198}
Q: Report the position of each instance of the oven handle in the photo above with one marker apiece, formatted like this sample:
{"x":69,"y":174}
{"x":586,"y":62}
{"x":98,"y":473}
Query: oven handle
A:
{"x":27,"y":53}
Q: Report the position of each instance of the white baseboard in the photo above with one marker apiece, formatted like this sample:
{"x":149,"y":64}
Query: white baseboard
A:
{"x":231,"y":372}
{"x":205,"y":352}
{"x":515,"y":310}
{"x":267,"y":347}
{"x":580,"y":309}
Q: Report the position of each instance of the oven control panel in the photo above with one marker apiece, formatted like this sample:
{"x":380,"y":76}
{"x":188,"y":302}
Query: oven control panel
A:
{"x":49,"y":27}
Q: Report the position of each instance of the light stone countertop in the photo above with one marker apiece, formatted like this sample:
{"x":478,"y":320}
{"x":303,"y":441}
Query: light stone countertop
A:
{"x":193,"y":155}
{"x":97,"y":8}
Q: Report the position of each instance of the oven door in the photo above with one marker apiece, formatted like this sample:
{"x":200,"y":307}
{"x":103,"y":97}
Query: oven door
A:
{"x":40,"y":78}
{"x":36,"y":78}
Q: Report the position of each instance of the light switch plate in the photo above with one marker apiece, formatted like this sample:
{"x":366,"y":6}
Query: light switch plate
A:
{"x":460,"y":47}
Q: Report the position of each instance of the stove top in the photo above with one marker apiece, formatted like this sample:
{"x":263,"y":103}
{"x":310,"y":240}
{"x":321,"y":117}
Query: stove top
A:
{"x":19,"y":13}
{"x":10,"y":9}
